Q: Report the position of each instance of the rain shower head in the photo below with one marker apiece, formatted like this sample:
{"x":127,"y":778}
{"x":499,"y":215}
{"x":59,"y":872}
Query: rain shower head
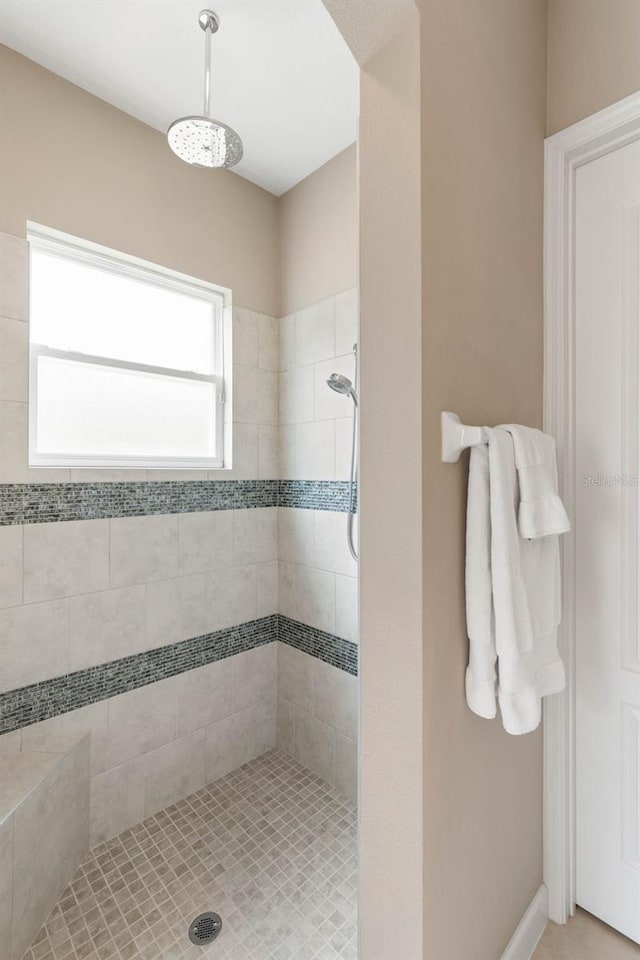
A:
{"x":203,"y":141}
{"x":342,"y":385}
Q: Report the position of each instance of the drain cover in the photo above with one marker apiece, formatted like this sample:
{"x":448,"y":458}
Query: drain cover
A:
{"x":205,"y":928}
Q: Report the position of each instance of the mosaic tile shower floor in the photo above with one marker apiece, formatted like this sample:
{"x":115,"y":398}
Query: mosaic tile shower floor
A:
{"x":270,"y":847}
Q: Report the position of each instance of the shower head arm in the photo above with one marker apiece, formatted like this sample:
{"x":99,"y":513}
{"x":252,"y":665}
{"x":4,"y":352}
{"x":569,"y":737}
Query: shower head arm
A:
{"x":210,"y":24}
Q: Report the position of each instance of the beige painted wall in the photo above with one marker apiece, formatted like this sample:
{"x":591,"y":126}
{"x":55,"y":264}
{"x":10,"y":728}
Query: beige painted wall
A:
{"x":70,"y":161}
{"x":483,"y":124}
{"x":318,"y":234}
{"x":594,"y":57}
{"x":390,"y":497}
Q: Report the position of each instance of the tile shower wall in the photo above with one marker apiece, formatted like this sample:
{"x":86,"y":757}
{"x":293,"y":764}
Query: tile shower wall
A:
{"x":318,"y":584}
{"x":78,"y":594}
{"x":315,"y":423}
{"x":318,"y":717}
{"x":81,"y":593}
{"x":317,"y":703}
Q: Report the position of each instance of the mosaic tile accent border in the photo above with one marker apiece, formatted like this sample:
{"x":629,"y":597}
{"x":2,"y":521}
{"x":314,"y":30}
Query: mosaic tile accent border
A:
{"x":342,"y":654}
{"x":317,"y":495}
{"x":26,"y":503}
{"x":43,"y":503}
{"x":50,"y":698}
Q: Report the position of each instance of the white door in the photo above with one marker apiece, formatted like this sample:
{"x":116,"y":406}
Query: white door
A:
{"x":607,"y":231}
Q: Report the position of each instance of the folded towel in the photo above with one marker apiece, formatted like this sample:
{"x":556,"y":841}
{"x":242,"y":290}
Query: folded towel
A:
{"x":513,"y":595}
{"x":481,"y":672}
{"x":541,"y":512}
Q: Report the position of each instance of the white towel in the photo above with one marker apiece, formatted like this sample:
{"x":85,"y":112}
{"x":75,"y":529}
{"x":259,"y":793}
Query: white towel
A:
{"x":522,"y":578}
{"x":481,"y":672}
{"x":541,"y":512}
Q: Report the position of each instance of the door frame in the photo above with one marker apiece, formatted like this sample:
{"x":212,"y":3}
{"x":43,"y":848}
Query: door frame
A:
{"x":565,"y":153}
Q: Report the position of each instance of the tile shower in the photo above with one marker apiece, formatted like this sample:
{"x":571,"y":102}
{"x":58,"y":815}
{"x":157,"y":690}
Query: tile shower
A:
{"x":203,"y":632}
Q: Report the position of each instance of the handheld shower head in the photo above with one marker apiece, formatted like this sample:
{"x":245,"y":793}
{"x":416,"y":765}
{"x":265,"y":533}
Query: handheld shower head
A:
{"x":342,"y":385}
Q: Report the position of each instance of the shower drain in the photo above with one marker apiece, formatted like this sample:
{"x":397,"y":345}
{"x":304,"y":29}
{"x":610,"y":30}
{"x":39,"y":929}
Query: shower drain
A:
{"x":205,"y":928}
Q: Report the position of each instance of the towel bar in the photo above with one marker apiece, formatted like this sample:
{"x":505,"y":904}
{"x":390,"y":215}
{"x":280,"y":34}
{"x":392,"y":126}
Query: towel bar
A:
{"x":456,"y":436}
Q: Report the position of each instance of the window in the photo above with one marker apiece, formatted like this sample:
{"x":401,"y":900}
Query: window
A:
{"x":126,"y":360}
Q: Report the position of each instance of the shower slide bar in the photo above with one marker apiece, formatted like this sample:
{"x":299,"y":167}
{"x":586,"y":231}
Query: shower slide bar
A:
{"x":457,"y":436}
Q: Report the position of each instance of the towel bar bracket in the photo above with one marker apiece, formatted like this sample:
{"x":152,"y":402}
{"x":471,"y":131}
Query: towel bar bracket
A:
{"x":456,"y":436}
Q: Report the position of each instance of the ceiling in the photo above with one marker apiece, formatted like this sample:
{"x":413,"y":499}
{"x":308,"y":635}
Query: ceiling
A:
{"x":282,"y":75}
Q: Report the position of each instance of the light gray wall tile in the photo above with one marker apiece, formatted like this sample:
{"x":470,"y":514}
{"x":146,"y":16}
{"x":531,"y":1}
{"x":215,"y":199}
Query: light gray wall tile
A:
{"x":160,"y":475}
{"x":268,"y":459}
{"x":296,"y":535}
{"x":316,"y":601}
{"x":175,"y":610}
{"x":14,"y":449}
{"x":56,"y":734}
{"x":266,"y":588}
{"x":65,"y":559}
{"x":203,"y":696}
{"x":331,"y":548}
{"x":231,"y":597}
{"x":255,"y":676}
{"x":344,"y":439}
{"x":296,"y":395}
{"x":192,"y":604}
{"x":287,"y":596}
{"x":162,"y":613}
{"x":205,"y":541}
{"x":266,"y":720}
{"x":286,"y":726}
{"x":6,"y":888}
{"x":245,"y":454}
{"x":117,"y":800}
{"x":109,"y":476}
{"x":267,"y":397}
{"x":14,"y":277}
{"x":315,"y":746}
{"x":347,"y":767}
{"x":173,"y":771}
{"x":347,"y":609}
{"x":143,"y":549}
{"x":230,"y":743}
{"x":335,"y":698}
{"x":245,"y":394}
{"x":10,"y":566}
{"x":34,"y":643}
{"x":51,"y":836}
{"x":140,"y":721}
{"x":315,"y":450}
{"x":268,"y":342}
{"x":287,"y":342}
{"x":106,"y":626}
{"x":10,"y":743}
{"x":287,"y":452}
{"x":255,"y":535}
{"x":245,"y":337}
{"x":295,"y":677}
{"x":14,"y":360}
{"x":315,"y":332}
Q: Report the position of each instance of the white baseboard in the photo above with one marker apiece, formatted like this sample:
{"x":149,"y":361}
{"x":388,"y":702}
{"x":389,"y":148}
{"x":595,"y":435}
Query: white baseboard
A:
{"x":530,"y":929}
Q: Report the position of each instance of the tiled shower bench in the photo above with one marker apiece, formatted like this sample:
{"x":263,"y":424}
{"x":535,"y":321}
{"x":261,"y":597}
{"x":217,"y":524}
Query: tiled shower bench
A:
{"x":44,"y":834}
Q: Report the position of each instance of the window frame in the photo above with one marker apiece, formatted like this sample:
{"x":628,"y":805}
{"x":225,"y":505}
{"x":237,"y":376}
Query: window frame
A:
{"x":69,"y":248}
